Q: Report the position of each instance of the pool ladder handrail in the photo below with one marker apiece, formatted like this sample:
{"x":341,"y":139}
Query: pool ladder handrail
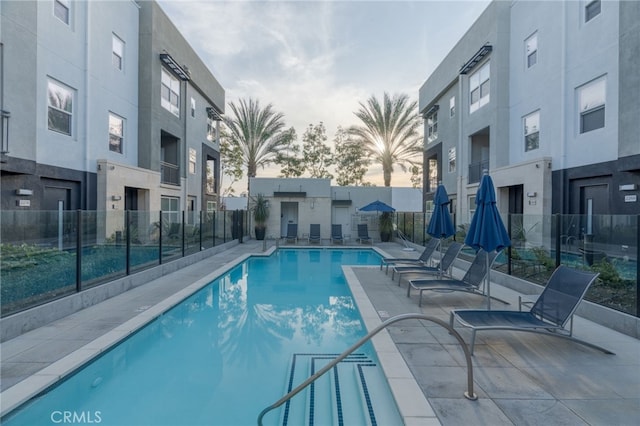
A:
{"x":469,"y":394}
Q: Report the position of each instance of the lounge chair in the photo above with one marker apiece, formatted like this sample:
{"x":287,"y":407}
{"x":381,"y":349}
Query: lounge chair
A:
{"x":292,"y":233}
{"x":441,"y":269}
{"x":363,"y":233}
{"x":336,"y":234}
{"x":470,"y":282}
{"x":549,"y":315}
{"x":423,"y":260}
{"x":314,"y":233}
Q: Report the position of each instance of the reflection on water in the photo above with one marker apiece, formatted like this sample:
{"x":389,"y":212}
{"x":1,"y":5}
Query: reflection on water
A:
{"x":227,"y":346}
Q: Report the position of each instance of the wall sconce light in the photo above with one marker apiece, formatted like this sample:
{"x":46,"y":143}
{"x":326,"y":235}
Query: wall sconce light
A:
{"x":24,"y":192}
{"x":628,"y":187}
{"x":531,"y":194}
{"x":116,"y":197}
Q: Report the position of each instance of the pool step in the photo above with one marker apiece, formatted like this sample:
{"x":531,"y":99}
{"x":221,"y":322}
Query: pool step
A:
{"x":343,"y":396}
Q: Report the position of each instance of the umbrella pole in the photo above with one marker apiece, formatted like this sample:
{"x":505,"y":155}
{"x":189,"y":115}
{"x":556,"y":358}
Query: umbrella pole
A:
{"x":488,"y":284}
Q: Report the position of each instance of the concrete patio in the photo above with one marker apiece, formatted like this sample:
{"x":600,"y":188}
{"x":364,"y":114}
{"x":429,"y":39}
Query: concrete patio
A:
{"x":520,"y":378}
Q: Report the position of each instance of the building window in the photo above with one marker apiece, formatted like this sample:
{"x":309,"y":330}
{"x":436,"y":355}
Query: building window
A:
{"x":210,"y":184}
{"x":212,"y":206}
{"x":193,"y":156}
{"x":116,"y":133}
{"x":170,"y":93}
{"x":591,"y":104}
{"x":432,"y":126}
{"x":60,"y":111}
{"x":479,"y":88}
{"x":591,"y":10}
{"x":170,"y":207}
{"x":452,"y":160}
{"x":211,"y":130}
{"x":452,"y":106}
{"x":433,"y":175}
{"x":117,"y":56}
{"x":531,"y":50}
{"x":532,"y":131}
{"x":193,"y":108}
{"x":61,"y":9}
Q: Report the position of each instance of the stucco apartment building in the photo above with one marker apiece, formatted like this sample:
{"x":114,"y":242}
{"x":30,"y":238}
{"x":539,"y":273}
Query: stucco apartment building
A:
{"x":105,"y":106}
{"x":545,"y":96}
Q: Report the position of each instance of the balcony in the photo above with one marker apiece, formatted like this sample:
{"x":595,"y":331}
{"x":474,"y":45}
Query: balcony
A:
{"x":169,"y":173}
{"x":475,"y":171}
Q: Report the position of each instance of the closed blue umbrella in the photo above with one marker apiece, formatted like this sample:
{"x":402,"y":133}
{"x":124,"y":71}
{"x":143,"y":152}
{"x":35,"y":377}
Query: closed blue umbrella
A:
{"x":440,"y":225}
{"x":487,"y":230}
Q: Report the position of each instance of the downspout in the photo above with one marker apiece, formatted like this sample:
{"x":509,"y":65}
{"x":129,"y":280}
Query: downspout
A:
{"x":563,"y":205}
{"x":459,"y":160}
{"x":87,"y":113}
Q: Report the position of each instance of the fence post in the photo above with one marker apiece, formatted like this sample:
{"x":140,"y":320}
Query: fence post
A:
{"x":240,"y":225}
{"x":509,"y":248}
{"x":200,"y":228}
{"x":214,"y":228}
{"x":558,"y":240}
{"x":127,"y":229}
{"x":638,"y":266}
{"x":160,"y":240}
{"x":79,"y":251}
{"x":183,"y":232}
{"x":224,"y":227}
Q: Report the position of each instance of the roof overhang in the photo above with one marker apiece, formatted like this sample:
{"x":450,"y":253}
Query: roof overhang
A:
{"x":468,"y":66}
{"x":180,"y":72}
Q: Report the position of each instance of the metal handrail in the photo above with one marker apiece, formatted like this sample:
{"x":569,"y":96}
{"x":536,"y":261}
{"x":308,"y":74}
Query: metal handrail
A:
{"x":469,"y":394}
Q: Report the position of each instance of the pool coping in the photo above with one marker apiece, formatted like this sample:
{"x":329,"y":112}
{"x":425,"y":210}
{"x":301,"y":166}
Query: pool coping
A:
{"x":412,"y":404}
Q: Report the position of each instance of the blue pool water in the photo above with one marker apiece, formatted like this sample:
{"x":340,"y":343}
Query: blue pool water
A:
{"x":223,"y":354}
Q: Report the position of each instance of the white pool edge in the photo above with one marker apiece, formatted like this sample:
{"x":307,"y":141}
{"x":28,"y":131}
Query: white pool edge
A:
{"x":412,"y":404}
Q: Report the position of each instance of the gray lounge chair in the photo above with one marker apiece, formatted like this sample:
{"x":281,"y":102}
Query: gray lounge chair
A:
{"x":292,"y":233}
{"x":552,"y":310}
{"x":336,"y":234}
{"x":314,"y":233}
{"x":442,"y":269}
{"x":470,"y":282}
{"x":363,"y":233}
{"x":423,"y":260}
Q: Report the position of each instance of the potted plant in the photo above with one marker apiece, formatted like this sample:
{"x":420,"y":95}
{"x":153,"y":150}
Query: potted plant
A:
{"x":386,"y":226}
{"x":260,"y":215}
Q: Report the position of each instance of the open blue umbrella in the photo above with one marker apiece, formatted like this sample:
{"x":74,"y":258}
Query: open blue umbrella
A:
{"x":440,"y":225}
{"x":377,"y":206}
{"x":487,"y":230}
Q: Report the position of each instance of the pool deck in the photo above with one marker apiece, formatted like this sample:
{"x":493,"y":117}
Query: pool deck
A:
{"x":519,"y":378}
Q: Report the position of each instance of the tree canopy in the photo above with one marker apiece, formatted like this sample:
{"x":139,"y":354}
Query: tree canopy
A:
{"x":390,"y":132}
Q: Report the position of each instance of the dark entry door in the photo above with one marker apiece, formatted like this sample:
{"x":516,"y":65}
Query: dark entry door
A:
{"x":593,"y":204}
{"x":130,"y":198}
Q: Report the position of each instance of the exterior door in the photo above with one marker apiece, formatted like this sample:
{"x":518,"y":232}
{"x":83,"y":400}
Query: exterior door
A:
{"x":593,"y":204}
{"x":288,"y":214}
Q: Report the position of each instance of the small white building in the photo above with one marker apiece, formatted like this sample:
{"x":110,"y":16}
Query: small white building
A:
{"x":306,"y":201}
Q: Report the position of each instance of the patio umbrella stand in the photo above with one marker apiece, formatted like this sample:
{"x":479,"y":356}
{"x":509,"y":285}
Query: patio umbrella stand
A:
{"x":487,"y":230}
{"x":440,"y":224}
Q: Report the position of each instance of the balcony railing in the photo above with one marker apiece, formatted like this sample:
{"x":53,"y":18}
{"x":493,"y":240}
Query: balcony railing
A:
{"x":475,"y":171}
{"x":169,"y":173}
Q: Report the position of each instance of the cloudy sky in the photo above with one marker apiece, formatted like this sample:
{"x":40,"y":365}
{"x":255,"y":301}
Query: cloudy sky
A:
{"x":316,"y":60}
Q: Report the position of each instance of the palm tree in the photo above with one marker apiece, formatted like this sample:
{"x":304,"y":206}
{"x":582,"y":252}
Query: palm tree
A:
{"x":256,"y":134}
{"x":390,"y":133}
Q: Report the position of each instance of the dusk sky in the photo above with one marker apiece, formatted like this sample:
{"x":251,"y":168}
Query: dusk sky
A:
{"x":315,"y":61}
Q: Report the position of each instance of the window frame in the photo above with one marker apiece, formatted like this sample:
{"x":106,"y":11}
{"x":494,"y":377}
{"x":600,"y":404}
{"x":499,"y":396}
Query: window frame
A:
{"x":452,"y":107}
{"x":451,"y":159}
{"x":588,"y":11}
{"x":480,"y":85}
{"x":60,"y":109}
{"x":117,"y":42}
{"x":590,"y":90}
{"x":534,"y":53}
{"x":114,"y":136}
{"x":432,"y":126}
{"x":212,"y":129}
{"x":66,"y":5}
{"x":192,"y":160}
{"x":210,"y":176}
{"x":528,"y":135}
{"x":172,"y":102}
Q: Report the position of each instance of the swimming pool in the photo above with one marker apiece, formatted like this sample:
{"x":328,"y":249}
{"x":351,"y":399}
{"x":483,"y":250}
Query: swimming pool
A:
{"x":228,"y":351}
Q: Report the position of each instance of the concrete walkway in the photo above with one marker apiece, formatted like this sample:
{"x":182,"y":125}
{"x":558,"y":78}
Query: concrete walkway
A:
{"x":520,"y":378}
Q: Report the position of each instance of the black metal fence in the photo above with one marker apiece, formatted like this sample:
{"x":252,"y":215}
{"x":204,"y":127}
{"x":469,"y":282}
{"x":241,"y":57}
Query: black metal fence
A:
{"x":607,"y":244}
{"x":45,"y":255}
